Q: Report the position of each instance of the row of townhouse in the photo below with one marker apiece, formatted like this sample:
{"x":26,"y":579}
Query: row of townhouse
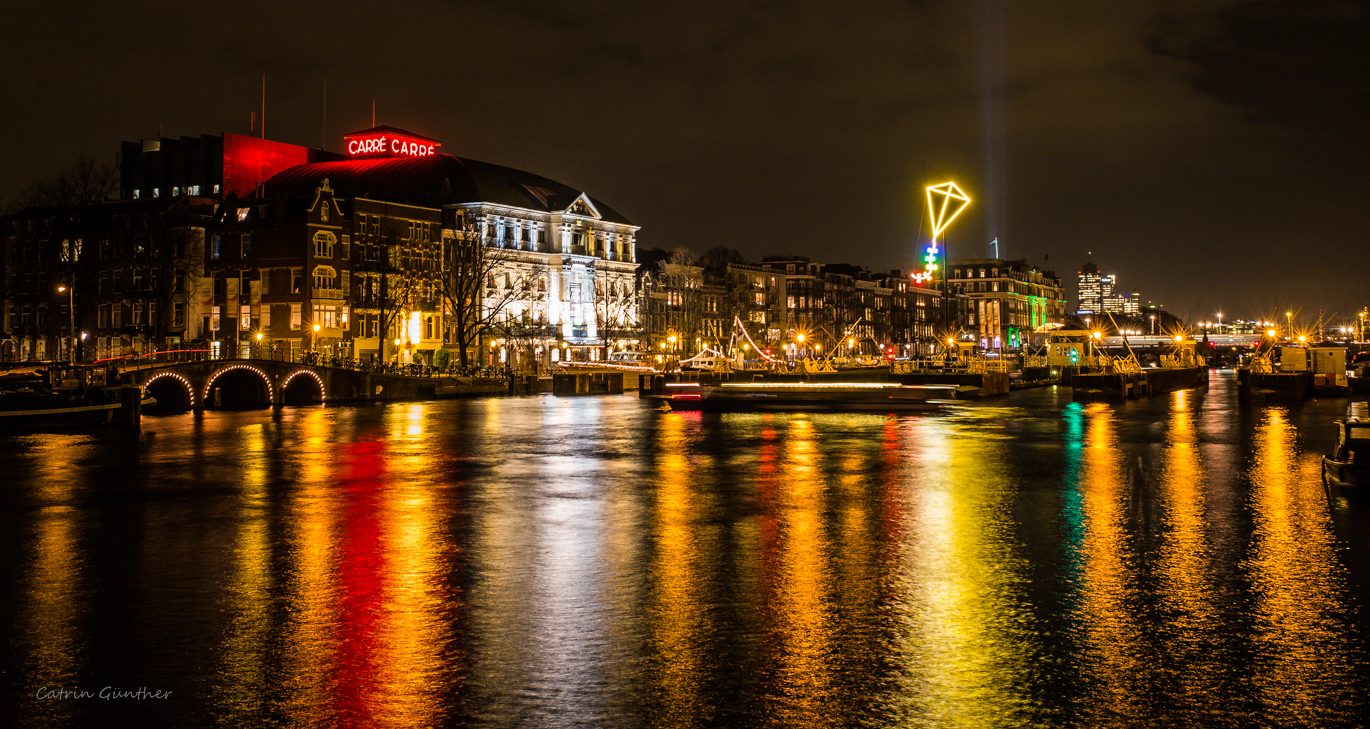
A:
{"x":789,"y":306}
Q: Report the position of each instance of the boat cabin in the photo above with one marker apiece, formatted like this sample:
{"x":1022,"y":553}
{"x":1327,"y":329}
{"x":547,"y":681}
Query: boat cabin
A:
{"x":1353,"y":444}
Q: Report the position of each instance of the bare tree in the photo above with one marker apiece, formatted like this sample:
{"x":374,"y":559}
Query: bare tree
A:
{"x":614,"y":304}
{"x":479,"y":284}
{"x":86,"y":181}
{"x":680,"y":279}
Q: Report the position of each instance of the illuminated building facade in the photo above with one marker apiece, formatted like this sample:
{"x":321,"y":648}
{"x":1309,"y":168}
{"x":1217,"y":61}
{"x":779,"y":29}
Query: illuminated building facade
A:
{"x":1091,"y":291}
{"x":207,"y":165}
{"x":1007,"y":300}
{"x":358,"y":248}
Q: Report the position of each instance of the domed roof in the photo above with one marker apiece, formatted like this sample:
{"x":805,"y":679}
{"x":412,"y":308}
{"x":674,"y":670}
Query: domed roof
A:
{"x":433,"y":181}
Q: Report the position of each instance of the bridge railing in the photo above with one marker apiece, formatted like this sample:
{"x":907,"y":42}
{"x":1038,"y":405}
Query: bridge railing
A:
{"x":311,"y":359}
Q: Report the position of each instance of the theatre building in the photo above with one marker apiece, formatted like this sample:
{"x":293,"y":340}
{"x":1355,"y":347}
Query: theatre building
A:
{"x":351,"y":257}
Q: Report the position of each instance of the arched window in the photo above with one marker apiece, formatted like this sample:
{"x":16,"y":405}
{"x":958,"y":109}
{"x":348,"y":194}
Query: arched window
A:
{"x":982,"y":273}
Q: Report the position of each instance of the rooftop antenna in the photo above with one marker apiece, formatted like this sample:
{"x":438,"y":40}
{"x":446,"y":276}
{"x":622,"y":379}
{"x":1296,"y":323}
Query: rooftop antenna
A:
{"x":263,"y":106}
{"x":325,"y":113}
{"x":373,"y":113}
{"x":252,"y":121}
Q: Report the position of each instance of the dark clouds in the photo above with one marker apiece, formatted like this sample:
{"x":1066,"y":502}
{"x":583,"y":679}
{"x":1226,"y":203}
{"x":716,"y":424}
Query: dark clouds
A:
{"x":1209,"y":153}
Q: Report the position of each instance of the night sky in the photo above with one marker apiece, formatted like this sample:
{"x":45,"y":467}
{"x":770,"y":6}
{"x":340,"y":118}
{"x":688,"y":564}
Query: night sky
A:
{"x":1210,"y":154}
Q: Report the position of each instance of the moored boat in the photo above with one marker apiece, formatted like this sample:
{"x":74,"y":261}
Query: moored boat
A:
{"x":1349,"y":464}
{"x":874,"y":397}
{"x":54,"y":395}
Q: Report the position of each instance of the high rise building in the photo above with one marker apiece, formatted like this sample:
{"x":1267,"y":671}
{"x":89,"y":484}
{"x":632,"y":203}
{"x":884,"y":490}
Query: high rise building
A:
{"x":1091,"y":301}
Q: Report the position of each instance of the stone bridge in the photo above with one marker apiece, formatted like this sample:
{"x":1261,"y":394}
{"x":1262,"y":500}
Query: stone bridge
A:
{"x":265,"y":383}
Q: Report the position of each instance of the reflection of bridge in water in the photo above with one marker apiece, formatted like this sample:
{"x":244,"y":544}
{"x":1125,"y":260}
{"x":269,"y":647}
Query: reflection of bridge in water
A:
{"x":265,"y":382}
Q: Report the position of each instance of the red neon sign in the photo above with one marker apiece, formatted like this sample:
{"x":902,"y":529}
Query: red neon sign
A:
{"x":387,"y":141}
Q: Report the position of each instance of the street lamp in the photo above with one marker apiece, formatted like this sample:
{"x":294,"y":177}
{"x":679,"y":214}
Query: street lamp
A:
{"x":1153,"y":325}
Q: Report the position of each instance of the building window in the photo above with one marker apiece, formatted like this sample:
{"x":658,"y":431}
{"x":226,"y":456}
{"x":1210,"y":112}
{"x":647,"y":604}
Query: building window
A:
{"x":325,"y":278}
{"x":245,"y":317}
{"x":179,"y":314}
{"x":247,"y":245}
{"x":295,"y":316}
{"x":266,"y":316}
{"x":214,"y":318}
{"x":296,"y":280}
{"x":104,"y":316}
{"x":216,"y":247}
{"x":137,"y":315}
{"x":323,"y":244}
{"x":266,"y":281}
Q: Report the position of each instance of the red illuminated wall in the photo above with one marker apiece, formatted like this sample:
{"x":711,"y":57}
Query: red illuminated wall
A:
{"x":249,"y":161}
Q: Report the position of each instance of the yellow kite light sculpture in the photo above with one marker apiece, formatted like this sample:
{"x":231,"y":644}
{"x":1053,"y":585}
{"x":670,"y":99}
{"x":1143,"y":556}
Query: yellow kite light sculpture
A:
{"x":945,"y":202}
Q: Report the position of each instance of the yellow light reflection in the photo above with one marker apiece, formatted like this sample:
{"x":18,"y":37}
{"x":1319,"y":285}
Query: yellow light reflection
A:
{"x":244,"y":689}
{"x":1113,"y":662}
{"x":1184,"y":566}
{"x":51,"y":634}
{"x":681,"y":616}
{"x":802,"y":589}
{"x":964,"y":634}
{"x":1301,"y":648}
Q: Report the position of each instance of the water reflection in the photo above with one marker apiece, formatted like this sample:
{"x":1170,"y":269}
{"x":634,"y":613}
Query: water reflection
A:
{"x":680,"y":622}
{"x":596,"y":562}
{"x":799,"y":565}
{"x":245,"y":689}
{"x":1194,"y":656}
{"x":1302,"y":668}
{"x":1113,"y":663}
{"x":965,"y":636}
{"x":50,"y":624}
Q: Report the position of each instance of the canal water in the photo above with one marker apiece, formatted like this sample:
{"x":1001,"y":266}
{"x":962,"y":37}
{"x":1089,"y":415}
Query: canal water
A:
{"x":555,"y":562}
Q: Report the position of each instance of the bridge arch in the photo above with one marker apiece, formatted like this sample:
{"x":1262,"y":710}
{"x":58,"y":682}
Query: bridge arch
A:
{"x":171,"y":377}
{"x":266,"y":381}
{"x":292,"y":393}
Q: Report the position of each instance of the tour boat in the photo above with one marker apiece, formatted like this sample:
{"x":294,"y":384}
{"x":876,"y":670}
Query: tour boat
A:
{"x":1349,"y":464}
{"x":873,"y":397}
